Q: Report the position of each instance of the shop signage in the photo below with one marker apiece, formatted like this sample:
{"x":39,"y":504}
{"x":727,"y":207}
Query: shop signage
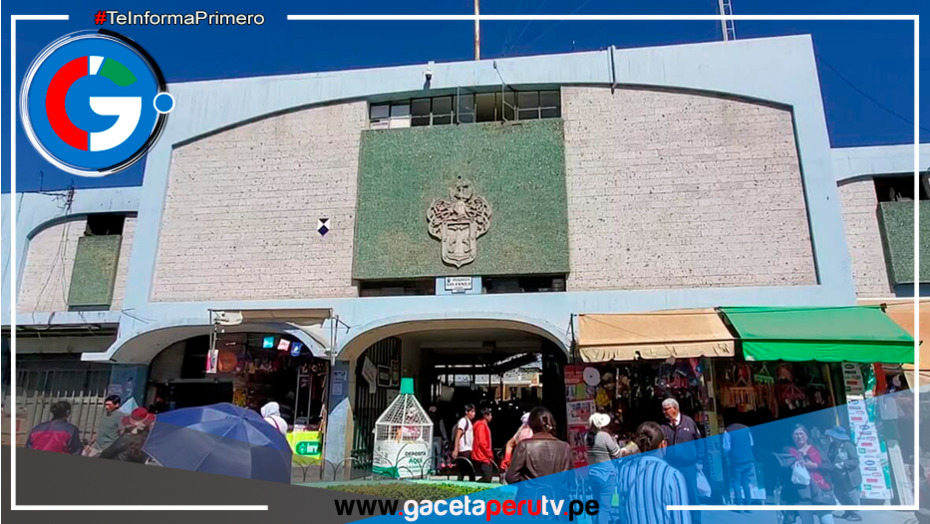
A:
{"x":458,"y":284}
{"x":402,"y":459}
{"x":579,"y":404}
{"x":213,"y":357}
{"x":370,"y":374}
{"x":873,"y":461}
{"x":458,"y":222}
{"x":384,"y":377}
{"x":295,"y":349}
{"x":340,"y":378}
{"x":307,"y":446}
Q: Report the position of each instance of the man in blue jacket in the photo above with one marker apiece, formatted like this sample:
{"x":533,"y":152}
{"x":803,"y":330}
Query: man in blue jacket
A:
{"x":685,"y":450}
{"x":738,"y":445}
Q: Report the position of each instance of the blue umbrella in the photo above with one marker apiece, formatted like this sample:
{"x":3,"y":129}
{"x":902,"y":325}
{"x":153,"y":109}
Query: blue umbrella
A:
{"x":223,"y":439}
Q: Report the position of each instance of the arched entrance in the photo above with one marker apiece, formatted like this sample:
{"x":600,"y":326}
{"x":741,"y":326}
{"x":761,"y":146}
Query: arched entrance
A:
{"x":509,"y":367}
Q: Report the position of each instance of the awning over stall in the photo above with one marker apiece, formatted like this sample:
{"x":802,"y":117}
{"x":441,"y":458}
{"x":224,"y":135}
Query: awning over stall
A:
{"x":838,"y":334}
{"x":656,"y":335}
{"x":902,"y":312}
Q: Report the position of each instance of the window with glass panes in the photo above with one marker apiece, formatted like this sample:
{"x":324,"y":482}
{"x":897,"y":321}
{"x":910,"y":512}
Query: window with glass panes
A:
{"x":466,"y":109}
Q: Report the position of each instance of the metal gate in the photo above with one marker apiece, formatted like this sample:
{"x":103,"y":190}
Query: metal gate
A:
{"x":369,"y":405}
{"x":39,"y":384}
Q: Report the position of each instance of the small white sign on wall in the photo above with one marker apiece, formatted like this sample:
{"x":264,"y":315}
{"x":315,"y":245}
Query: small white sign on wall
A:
{"x":458,"y":284}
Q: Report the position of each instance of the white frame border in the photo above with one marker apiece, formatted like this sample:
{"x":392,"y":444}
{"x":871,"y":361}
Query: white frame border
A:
{"x":478,"y":18}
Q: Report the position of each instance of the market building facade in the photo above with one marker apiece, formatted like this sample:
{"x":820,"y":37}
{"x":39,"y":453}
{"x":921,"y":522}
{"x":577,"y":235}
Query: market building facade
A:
{"x":313,"y":238}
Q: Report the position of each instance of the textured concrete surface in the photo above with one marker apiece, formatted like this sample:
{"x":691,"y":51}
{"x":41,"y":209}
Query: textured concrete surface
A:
{"x":897,"y":223}
{"x":242,"y":206}
{"x":863,"y":234}
{"x":518,"y":168}
{"x":682,"y":190}
{"x":47,"y":273}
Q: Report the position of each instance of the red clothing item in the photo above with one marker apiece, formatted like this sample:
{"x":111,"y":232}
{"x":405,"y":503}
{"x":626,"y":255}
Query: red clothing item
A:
{"x":481,"y":451}
{"x":56,"y":435}
{"x":813,"y":454}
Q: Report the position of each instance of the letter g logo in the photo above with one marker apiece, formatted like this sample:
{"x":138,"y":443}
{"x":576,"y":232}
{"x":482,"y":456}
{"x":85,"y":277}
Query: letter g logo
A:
{"x":93,"y":103}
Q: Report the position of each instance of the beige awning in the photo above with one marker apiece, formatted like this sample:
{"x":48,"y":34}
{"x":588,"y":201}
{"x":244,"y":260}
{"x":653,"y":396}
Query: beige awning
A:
{"x":901,"y":310}
{"x":657,"y":335}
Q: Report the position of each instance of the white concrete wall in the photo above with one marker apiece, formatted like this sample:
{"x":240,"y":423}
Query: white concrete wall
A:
{"x":863,"y":234}
{"x":46,"y":277}
{"x":241,"y":210}
{"x":672,"y":190}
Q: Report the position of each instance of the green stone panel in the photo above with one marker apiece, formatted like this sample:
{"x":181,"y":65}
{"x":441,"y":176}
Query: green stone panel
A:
{"x":94,"y":272}
{"x":518,"y":168}
{"x":897,"y":223}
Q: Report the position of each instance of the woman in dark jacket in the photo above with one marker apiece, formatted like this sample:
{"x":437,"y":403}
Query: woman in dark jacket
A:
{"x":542,"y":454}
{"x":847,"y":479}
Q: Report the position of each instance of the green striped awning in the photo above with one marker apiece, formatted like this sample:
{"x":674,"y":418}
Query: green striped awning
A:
{"x":836,"y":334}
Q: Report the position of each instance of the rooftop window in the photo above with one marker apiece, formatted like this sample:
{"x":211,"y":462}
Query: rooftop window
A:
{"x":466,"y":108}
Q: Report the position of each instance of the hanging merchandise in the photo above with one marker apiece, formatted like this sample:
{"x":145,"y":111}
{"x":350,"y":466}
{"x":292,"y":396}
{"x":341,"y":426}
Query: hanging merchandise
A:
{"x":763,"y":376}
{"x":268,"y":343}
{"x":284,"y":344}
{"x":592,"y":377}
{"x":403,"y":437}
{"x":226,"y":361}
{"x":212,"y":361}
{"x":295,"y":349}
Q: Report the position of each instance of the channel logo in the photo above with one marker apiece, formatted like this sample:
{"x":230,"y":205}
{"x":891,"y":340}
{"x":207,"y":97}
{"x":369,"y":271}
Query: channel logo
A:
{"x":93,"y":103}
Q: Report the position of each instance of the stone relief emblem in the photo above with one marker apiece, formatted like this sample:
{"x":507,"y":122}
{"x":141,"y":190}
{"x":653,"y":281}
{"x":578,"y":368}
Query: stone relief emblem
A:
{"x":458,"y":222}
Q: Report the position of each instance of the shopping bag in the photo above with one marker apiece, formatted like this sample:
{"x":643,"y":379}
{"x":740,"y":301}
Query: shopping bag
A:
{"x":799,"y":475}
{"x":703,"y":486}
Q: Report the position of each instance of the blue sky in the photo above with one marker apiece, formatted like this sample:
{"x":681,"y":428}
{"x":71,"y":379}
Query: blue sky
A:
{"x":866,"y":68}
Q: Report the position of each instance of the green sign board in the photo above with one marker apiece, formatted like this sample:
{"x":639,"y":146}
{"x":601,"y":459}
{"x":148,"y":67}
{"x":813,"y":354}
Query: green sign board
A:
{"x":479,"y":199}
{"x":308,"y":448}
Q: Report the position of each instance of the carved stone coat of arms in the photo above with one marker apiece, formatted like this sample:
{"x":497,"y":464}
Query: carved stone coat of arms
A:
{"x":458,"y":222}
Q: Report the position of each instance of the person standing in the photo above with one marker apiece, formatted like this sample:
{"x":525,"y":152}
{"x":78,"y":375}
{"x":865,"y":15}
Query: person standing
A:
{"x":464,"y":439}
{"x":440,"y":437}
{"x":271,"y":412}
{"x":818,"y":491}
{"x":134,"y":429}
{"x":685,"y":448}
{"x":542,"y":454}
{"x":602,"y":473}
{"x":738,"y":446}
{"x":57,"y":435}
{"x":482,"y":454}
{"x":847,"y":478}
{"x":108,"y":427}
{"x":648,"y":484}
{"x":523,"y":432}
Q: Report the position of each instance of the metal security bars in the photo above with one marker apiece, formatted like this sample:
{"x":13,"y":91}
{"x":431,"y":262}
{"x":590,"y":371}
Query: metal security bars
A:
{"x":41,"y":384}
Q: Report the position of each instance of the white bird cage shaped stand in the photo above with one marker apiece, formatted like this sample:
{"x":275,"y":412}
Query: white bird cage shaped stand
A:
{"x":403,"y":437}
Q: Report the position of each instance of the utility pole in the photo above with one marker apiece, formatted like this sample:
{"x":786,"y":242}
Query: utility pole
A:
{"x":477,"y":31}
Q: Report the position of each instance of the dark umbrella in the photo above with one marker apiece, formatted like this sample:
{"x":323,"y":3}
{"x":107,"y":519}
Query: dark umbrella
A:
{"x":223,"y":439}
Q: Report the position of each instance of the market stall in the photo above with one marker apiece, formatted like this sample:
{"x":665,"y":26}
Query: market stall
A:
{"x":824,"y":357}
{"x":635,"y":361}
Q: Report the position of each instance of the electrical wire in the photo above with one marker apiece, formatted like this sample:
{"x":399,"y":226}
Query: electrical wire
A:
{"x":512,"y":29}
{"x":522,"y":32}
{"x":867,"y":96}
{"x":557,"y":24}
